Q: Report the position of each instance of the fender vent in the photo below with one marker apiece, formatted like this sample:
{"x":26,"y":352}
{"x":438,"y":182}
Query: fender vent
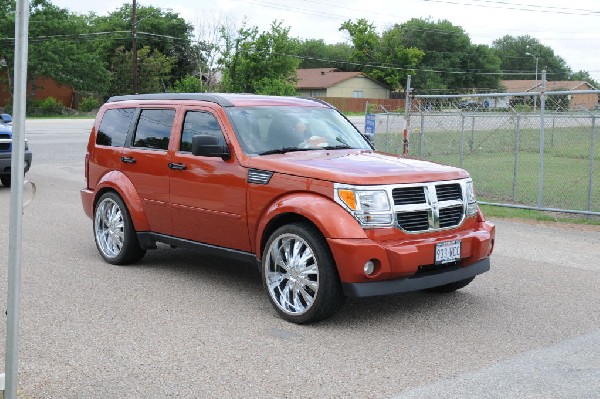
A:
{"x":259,"y":176}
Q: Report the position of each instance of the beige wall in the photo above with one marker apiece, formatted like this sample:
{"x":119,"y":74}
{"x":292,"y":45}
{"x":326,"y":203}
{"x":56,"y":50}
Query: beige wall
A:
{"x":369,"y":88}
{"x":312,"y":93}
{"x":587,"y":101}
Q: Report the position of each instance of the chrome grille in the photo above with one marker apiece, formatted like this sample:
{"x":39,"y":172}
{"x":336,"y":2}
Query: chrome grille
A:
{"x":429,"y":207}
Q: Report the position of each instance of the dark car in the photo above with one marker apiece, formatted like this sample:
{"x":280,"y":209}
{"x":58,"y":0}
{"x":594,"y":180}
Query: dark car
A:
{"x":6,"y":135}
{"x":468,"y":105}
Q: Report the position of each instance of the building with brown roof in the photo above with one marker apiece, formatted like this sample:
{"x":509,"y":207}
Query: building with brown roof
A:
{"x":331,"y":82}
{"x":576,"y":101}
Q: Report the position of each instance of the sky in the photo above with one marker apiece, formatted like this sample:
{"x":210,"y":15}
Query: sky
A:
{"x":570,"y":28}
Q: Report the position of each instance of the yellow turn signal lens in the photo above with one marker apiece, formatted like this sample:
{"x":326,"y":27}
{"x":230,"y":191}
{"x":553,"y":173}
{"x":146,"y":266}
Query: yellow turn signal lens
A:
{"x":348,"y":197}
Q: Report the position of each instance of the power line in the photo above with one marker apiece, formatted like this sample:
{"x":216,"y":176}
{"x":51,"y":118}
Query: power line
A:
{"x":519,"y":7}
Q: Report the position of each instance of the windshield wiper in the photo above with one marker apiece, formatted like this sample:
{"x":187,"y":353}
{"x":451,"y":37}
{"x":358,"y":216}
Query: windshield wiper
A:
{"x":337,"y":147}
{"x":284,"y":150}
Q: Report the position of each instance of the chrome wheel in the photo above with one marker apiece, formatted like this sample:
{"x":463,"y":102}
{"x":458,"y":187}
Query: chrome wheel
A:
{"x":109,"y":228}
{"x":291,"y":274}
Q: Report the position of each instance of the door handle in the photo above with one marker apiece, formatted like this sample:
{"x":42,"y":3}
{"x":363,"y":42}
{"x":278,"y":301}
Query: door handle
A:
{"x":128,"y":159}
{"x":177,"y":166}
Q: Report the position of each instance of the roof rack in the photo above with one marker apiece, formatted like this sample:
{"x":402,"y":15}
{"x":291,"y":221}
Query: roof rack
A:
{"x":215,"y":98}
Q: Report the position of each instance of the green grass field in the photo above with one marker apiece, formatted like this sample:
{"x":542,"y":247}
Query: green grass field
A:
{"x":489,"y":156}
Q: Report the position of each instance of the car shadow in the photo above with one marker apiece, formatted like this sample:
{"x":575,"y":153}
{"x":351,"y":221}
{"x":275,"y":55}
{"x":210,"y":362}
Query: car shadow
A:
{"x":243,"y":279}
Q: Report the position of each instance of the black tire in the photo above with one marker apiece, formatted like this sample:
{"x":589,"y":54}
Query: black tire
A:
{"x":115,"y":236}
{"x":5,"y":180}
{"x":448,"y":288}
{"x":319,"y":291}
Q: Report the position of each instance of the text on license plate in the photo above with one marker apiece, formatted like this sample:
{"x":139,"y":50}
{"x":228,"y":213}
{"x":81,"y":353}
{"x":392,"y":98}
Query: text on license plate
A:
{"x":446,"y":252}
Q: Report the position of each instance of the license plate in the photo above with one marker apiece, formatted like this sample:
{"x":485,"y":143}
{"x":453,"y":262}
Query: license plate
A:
{"x":447,"y":252}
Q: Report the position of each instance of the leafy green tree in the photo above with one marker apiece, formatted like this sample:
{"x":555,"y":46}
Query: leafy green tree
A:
{"x":164,"y":31}
{"x":383,"y":58}
{"x":189,"y":84}
{"x":56,"y":49}
{"x":517,"y":64}
{"x":155,"y":71}
{"x":261,"y":63}
{"x":315,"y":53}
{"x":586,"y":77}
{"x":450,"y":61}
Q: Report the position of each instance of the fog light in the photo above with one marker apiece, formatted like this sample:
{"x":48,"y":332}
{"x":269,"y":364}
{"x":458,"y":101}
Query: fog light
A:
{"x":369,"y":267}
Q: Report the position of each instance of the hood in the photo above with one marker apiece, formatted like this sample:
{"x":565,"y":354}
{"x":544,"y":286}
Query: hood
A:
{"x":356,"y":167}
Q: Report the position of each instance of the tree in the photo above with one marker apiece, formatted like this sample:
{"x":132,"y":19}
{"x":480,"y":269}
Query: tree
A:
{"x":262,"y":63}
{"x":383,"y":58}
{"x":154,"y":66}
{"x":210,"y":45}
{"x":586,"y":77}
{"x":517,"y":64}
{"x":450,"y":61}
{"x":164,"y":31}
{"x":56,"y":47}
{"x":189,"y":84}
{"x":315,"y":53}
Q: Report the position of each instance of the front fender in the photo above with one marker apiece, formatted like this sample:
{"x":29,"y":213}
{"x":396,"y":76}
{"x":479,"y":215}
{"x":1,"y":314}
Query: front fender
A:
{"x":330,"y":218}
{"x":120,"y":183}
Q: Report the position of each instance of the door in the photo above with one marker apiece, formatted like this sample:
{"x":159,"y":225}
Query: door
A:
{"x":145,"y":162}
{"x":208,"y":195}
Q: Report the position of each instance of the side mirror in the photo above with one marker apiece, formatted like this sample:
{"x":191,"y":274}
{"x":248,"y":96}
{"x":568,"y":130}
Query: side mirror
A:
{"x":6,"y":118}
{"x":209,"y":146}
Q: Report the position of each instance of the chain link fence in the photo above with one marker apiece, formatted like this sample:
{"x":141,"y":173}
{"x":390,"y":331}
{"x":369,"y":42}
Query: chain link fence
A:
{"x":528,"y":150}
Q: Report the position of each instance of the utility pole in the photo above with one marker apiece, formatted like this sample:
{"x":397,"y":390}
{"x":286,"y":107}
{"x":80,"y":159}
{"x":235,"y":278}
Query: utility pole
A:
{"x":16,"y":199}
{"x":134,"y":47}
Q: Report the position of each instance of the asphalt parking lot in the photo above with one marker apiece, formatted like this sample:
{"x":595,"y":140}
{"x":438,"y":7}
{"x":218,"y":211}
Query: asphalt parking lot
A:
{"x":183,"y":325}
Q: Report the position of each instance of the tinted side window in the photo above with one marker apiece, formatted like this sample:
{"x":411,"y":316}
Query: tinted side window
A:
{"x":154,"y":128}
{"x":195,"y":123}
{"x":114,"y":127}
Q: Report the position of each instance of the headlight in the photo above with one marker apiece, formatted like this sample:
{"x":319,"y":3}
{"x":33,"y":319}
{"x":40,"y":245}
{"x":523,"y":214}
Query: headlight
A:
{"x":471,"y":201}
{"x":370,"y":207}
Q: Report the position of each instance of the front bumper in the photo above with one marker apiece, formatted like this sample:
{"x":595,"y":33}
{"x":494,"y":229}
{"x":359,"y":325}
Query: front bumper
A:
{"x":406,"y":262}
{"x":415,"y":283}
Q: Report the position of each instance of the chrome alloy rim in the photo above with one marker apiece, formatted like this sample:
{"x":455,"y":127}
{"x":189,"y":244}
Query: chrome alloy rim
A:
{"x":292,"y":274}
{"x":109,"y":228}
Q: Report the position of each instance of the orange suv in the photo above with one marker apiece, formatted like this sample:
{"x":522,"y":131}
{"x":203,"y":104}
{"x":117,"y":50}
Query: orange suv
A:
{"x":286,"y":183}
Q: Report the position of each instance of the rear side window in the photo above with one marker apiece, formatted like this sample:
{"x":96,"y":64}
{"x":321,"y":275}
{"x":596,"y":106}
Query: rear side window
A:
{"x":115,"y":126}
{"x":154,"y":129}
{"x":195,"y":123}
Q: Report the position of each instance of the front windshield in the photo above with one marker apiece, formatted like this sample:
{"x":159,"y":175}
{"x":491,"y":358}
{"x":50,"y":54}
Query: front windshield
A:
{"x":278,"y":129}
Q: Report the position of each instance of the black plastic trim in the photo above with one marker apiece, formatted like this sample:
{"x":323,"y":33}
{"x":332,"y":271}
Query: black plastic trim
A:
{"x":417,"y":283}
{"x":149,"y":239}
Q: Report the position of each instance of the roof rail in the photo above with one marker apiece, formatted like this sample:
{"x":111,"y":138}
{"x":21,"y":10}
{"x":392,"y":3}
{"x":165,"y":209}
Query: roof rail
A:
{"x":215,"y":98}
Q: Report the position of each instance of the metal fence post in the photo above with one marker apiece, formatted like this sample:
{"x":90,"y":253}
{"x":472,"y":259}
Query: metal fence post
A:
{"x":462,"y":139}
{"x":542,"y":139}
{"x":421,"y":134}
{"x":592,"y":153}
{"x":517,"y":145}
{"x":407,"y":116}
{"x":472,"y":141}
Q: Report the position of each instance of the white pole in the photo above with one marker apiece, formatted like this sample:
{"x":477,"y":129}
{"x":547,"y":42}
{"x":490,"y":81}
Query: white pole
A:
{"x":16,"y":198}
